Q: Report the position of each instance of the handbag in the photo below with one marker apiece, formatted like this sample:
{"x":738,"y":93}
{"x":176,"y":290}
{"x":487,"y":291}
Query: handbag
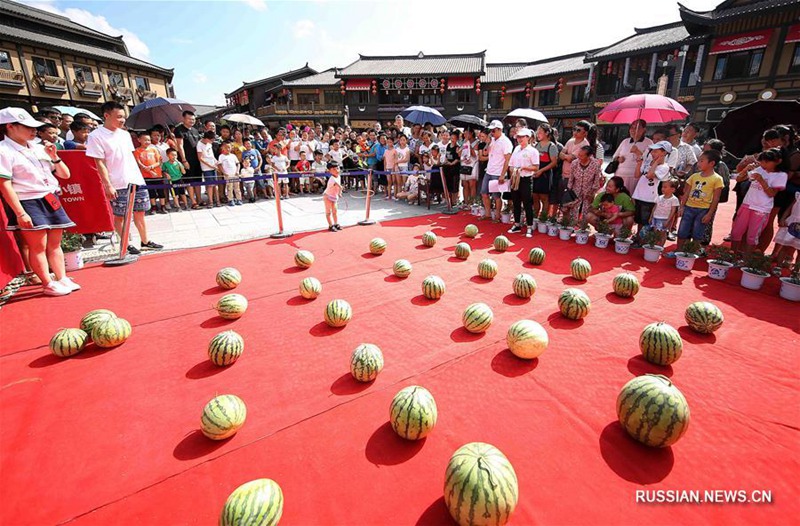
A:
{"x":568,"y":197}
{"x":612,"y":167}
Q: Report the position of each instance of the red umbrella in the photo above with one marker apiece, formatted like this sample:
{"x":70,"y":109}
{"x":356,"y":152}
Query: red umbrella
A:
{"x":651,"y":108}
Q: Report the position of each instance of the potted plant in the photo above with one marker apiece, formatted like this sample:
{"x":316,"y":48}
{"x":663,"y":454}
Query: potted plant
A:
{"x":790,"y":286}
{"x":541,"y":224}
{"x":552,"y":226}
{"x":689,"y":253}
{"x":71,"y":245}
{"x":505,"y":215}
{"x":565,"y":228}
{"x":721,"y":260}
{"x":755,"y":270}
{"x":652,"y":250}
{"x":582,"y":234}
{"x":603,"y":234}
{"x":623,"y":242}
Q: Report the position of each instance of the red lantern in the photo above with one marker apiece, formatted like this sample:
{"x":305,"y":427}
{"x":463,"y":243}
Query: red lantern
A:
{"x":441,"y":90}
{"x":502,"y":98}
{"x":478,"y":83}
{"x":478,"y":90}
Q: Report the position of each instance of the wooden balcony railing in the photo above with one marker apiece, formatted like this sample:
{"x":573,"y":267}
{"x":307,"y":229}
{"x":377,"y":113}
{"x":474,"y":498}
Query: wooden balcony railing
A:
{"x":89,"y":89}
{"x":145,"y":94}
{"x":51,"y":84}
{"x":120,"y":93}
{"x":11,"y":79}
{"x":299,"y":109}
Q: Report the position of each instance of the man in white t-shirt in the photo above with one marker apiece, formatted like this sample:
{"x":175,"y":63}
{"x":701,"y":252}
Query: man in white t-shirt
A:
{"x":499,"y":155}
{"x":111,"y":148}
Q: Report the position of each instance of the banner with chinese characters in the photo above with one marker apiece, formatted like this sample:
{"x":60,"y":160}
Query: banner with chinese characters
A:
{"x":82,"y":195}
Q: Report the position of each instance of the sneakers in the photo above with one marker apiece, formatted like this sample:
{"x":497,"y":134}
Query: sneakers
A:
{"x":55,"y":288}
{"x":152,"y":245}
{"x":162,"y":210}
{"x":239,"y":202}
{"x":231,"y":203}
{"x":672,"y":236}
{"x":133,"y":250}
{"x":514,"y":229}
{"x":529,"y":232}
{"x":332,"y":228}
{"x":68,"y":283}
{"x":337,"y":226}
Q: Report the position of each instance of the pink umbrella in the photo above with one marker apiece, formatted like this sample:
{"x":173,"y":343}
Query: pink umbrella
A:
{"x":652,"y":108}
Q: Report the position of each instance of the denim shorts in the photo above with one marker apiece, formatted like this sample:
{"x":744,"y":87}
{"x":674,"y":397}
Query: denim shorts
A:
{"x":692,"y":223}
{"x":141,"y":201}
{"x":658,"y":224}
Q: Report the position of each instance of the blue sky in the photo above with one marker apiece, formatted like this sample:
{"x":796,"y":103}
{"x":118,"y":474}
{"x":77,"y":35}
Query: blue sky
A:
{"x":215,"y":45}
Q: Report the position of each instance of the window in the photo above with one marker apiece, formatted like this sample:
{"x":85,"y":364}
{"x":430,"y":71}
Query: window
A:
{"x":738,"y":65}
{"x":493,"y":99}
{"x":307,"y":98}
{"x":578,"y":94}
{"x":142,"y":83}
{"x":334,"y":97}
{"x":84,"y":74}
{"x":116,"y":79}
{"x":519,"y":100}
{"x":795,"y":66}
{"x":358,"y":97}
{"x":44,"y":66}
{"x":430,"y":100}
{"x":464,"y":96}
{"x":548,"y":97}
{"x":5,"y":61}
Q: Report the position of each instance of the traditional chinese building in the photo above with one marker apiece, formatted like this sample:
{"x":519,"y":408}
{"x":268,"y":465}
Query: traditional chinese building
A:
{"x":251,"y":96}
{"x":307,"y":100}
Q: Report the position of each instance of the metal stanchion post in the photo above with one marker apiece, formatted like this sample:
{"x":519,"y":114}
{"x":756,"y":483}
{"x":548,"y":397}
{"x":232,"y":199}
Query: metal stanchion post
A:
{"x":450,"y":210}
{"x":367,"y":220}
{"x":123,"y":258}
{"x":280,"y":233}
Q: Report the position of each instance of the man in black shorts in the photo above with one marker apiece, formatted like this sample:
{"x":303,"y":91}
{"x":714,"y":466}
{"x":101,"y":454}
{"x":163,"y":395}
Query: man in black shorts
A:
{"x":187,"y":137}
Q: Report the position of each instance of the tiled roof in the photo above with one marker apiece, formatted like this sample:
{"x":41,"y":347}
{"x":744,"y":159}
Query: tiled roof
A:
{"x":324,"y":78}
{"x":723,"y":12}
{"x":305,"y":69}
{"x":52,"y":19}
{"x":544,"y":68}
{"x":421,"y":64}
{"x":496,"y":73}
{"x":15,"y":33}
{"x":643,"y":40}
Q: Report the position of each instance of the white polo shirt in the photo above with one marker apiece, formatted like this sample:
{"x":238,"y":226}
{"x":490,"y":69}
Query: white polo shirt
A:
{"x":29,"y":169}
{"x":498,"y":149}
{"x":116,"y":149}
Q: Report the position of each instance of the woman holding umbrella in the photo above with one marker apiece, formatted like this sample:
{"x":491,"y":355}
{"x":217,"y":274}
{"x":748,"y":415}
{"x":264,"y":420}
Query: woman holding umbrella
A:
{"x":630,"y":152}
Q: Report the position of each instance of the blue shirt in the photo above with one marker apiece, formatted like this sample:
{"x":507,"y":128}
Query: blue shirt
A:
{"x":380,"y":152}
{"x":71,"y":145}
{"x":252,"y":157}
{"x":372,"y":161}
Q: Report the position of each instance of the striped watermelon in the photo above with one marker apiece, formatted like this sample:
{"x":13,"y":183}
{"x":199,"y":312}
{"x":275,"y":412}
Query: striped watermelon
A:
{"x":225,"y":348}
{"x":536,"y":256}
{"x":470,"y":230}
{"x":580,"y":269}
{"x":338,"y":313}
{"x":524,"y":286}
{"x":429,"y":239}
{"x":527,"y":339}
{"x":366,"y":362}
{"x":704,"y":317}
{"x":229,"y":278}
{"x":68,"y":342}
{"x":433,"y":287}
{"x":501,"y":243}
{"x":660,"y":343}
{"x":222,"y":417}
{"x":377,"y":246}
{"x":626,"y":285}
{"x":480,"y":486}
{"x":574,"y":304}
{"x":255,"y":503}
{"x":92,"y":318}
{"x":413,"y":412}
{"x":112,"y":332}
{"x":487,"y":269}
{"x":310,"y":288}
{"x":653,"y":411}
{"x":463,"y":250}
{"x":231,"y":306}
{"x":477,"y":317}
{"x":402,"y":268}
{"x":303,"y":258}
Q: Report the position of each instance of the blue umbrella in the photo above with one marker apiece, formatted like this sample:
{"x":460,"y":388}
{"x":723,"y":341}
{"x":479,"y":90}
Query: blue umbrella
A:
{"x":422,"y":115}
{"x":160,"y":110}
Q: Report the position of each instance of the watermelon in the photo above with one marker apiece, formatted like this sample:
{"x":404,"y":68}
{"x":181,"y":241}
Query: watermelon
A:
{"x":429,"y":239}
{"x":68,"y":342}
{"x":574,"y":304}
{"x":402,"y":268}
{"x":660,"y":343}
{"x":580,"y":269}
{"x":110,"y":333}
{"x":653,"y":411}
{"x":536,"y":256}
{"x":413,"y":412}
{"x":704,"y":317}
{"x":303,"y":258}
{"x":626,"y":285}
{"x":255,"y":503}
{"x":501,"y":243}
{"x":225,"y":348}
{"x":463,"y":250}
{"x":338,"y":313}
{"x":377,"y":246}
{"x":487,"y":269}
{"x":470,"y":230}
{"x":524,"y":285}
{"x":310,"y":288}
{"x":433,"y":287}
{"x":92,"y":318}
{"x":366,"y":362}
{"x":223,"y":416}
{"x":477,"y":317}
{"x":480,"y":486}
{"x":231,"y":306}
{"x":229,"y":278}
{"x":527,"y":339}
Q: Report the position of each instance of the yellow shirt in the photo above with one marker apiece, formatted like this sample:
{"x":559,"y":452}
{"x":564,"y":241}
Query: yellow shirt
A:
{"x":237,"y":150}
{"x":701,"y":189}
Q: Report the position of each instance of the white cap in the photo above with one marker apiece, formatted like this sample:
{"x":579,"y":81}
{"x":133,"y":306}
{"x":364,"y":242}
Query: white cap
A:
{"x":19,"y":116}
{"x":526,"y":132}
{"x":495,"y":124}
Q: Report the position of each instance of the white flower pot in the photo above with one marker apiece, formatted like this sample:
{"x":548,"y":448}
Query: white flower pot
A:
{"x":541,"y":226}
{"x":581,"y":237}
{"x":534,"y":224}
{"x":505,"y":218}
{"x":73,"y":260}
{"x":752,"y":280}
{"x":718,"y":269}
{"x":601,"y":240}
{"x":552,"y":230}
{"x":790,"y":291}
{"x":622,"y":246}
{"x":475,"y":210}
{"x":564,"y":234}
{"x":652,"y":253}
{"x":684,"y":261}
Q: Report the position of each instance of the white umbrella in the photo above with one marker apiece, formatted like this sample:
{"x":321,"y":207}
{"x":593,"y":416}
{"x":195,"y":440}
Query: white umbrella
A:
{"x":527,"y":114}
{"x":71,"y":110}
{"x":242,"y":119}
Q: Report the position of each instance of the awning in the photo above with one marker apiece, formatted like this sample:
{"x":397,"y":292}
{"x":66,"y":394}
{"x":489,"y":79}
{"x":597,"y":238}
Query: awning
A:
{"x":358,"y":85}
{"x":518,"y":89}
{"x":741,"y":42}
{"x":583,"y":82}
{"x":460,"y":83}
{"x":544,"y":87}
{"x":794,"y":34}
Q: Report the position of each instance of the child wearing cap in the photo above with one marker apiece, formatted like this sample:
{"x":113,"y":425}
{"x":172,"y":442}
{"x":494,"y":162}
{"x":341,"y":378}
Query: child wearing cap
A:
{"x":652,"y":169}
{"x":319,"y":167}
{"x":333,"y":191}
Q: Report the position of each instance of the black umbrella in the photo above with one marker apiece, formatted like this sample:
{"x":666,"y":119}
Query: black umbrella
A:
{"x":468,"y":121}
{"x":741,"y":129}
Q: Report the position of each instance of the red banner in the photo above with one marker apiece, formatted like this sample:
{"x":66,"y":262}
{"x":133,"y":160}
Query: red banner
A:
{"x":82,"y":195}
{"x":741,"y":42}
{"x":10,"y":260}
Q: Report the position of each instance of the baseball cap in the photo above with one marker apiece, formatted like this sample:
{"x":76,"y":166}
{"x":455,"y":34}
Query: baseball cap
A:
{"x":662,"y":145}
{"x":495,"y":124}
{"x":526,"y":132}
{"x":19,"y":116}
{"x":333,"y":164}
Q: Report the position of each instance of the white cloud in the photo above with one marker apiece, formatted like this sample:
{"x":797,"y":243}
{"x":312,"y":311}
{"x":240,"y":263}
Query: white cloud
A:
{"x":303,"y":28}
{"x":199,"y":77}
{"x":181,"y":41}
{"x":258,"y":5}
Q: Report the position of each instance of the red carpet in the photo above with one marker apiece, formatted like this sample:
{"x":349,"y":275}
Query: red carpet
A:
{"x":112,"y":437}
